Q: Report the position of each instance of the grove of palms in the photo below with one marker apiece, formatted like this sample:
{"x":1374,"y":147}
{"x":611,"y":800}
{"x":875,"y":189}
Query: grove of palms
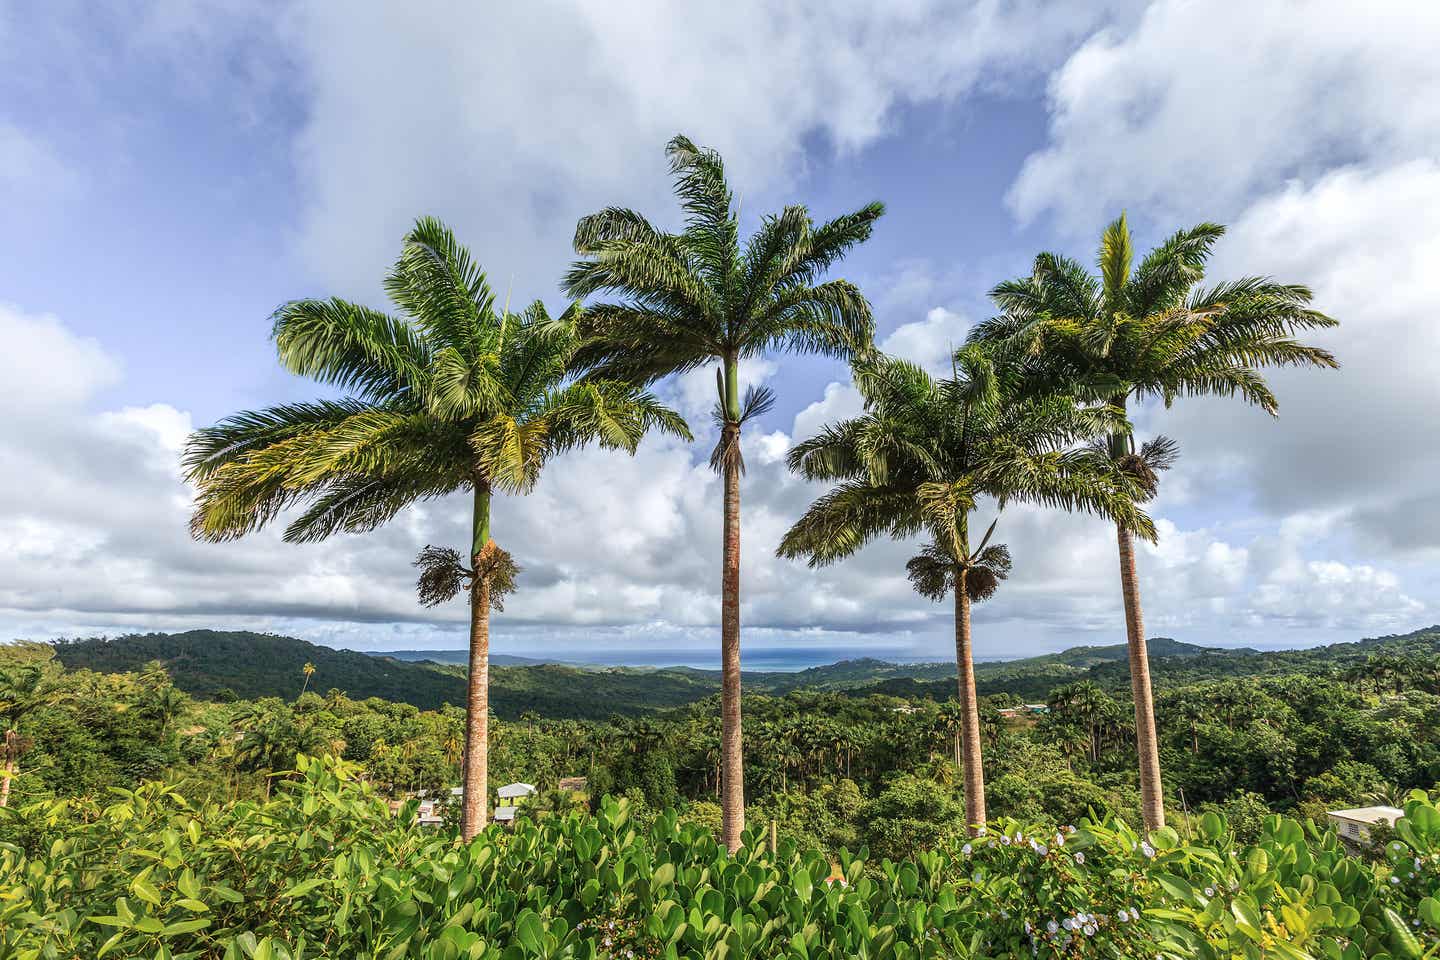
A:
{"x":687,"y":300}
{"x":1149,"y":332}
{"x":450,"y":395}
{"x":921,"y":459}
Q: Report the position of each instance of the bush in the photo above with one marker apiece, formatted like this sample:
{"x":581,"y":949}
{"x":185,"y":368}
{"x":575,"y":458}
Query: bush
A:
{"x":323,"y":871}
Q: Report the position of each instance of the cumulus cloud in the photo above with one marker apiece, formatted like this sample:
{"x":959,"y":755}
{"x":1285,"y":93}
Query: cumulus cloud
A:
{"x":570,"y":104}
{"x":1360,"y":441}
{"x":1203,"y":104}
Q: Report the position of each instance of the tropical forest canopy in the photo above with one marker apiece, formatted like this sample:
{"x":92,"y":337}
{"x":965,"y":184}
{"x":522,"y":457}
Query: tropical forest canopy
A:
{"x":1245,"y":736}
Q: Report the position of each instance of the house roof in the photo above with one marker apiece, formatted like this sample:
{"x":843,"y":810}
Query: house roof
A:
{"x":573,"y":783}
{"x":504,"y":813}
{"x":515,"y":790}
{"x":1368,"y":814}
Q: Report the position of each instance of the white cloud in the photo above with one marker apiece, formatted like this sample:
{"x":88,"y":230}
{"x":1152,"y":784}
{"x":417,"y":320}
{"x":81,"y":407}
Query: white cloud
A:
{"x":1361,"y":442}
{"x":1201,"y":104}
{"x":929,"y":342}
{"x":569,"y":106}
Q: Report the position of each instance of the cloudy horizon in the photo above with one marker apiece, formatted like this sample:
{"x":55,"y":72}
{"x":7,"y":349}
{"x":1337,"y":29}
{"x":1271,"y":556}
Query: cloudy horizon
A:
{"x":174,"y":169}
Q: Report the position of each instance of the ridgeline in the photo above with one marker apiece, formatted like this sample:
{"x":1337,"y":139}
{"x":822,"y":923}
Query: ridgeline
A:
{"x":214,"y":664}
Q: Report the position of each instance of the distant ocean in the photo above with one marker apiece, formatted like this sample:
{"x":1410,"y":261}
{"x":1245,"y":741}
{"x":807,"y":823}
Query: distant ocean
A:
{"x":760,"y":658}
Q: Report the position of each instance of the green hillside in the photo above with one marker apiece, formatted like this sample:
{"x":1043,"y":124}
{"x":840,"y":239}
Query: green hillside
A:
{"x":207,"y":663}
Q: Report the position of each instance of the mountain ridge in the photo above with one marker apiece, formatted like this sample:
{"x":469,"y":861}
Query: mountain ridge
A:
{"x":214,"y":664}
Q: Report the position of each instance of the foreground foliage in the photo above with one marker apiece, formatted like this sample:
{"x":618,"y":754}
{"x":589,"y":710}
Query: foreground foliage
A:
{"x":323,"y":870}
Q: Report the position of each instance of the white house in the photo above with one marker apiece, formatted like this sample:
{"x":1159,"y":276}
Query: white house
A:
{"x":1354,"y":825}
{"x":514,"y":791}
{"x":504,"y":815}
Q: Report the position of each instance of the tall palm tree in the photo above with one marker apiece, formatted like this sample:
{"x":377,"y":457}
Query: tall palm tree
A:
{"x":921,"y":459}
{"x":309,"y":671}
{"x":689,"y":299}
{"x":450,"y":395}
{"x":1151,"y":332}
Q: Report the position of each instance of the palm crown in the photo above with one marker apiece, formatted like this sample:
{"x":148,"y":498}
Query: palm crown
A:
{"x":689,"y":298}
{"x":925,"y":453}
{"x":1153,"y":332}
{"x":451,"y":394}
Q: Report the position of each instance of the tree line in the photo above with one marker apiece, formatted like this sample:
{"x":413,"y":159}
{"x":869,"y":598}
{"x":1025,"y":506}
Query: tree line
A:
{"x":453,"y":394}
{"x":833,"y":770}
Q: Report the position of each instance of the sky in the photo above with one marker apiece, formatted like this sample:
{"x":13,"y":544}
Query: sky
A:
{"x":172,"y":170}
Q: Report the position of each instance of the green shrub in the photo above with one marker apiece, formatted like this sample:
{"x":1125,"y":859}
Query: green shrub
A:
{"x":324,"y":871}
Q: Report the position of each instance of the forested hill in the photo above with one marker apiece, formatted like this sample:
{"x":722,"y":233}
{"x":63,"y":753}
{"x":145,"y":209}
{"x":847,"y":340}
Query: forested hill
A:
{"x":215,"y":663}
{"x":212,"y":664}
{"x":1172,"y":664}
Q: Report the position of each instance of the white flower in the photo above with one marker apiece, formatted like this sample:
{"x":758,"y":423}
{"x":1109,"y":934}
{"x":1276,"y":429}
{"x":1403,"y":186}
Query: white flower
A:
{"x":1059,"y":839}
{"x":980,"y":831}
{"x":1052,"y":927}
{"x":1148,"y":850}
{"x":1041,"y":849}
{"x":1079,"y":858}
{"x":1089,"y":930}
{"x":1209,"y":891}
{"x":1395,"y":880}
{"x":965,"y":850}
{"x":1123,"y":916}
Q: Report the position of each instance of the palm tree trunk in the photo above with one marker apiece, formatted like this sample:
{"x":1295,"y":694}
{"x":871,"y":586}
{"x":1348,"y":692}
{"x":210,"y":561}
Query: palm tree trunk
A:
{"x":5,"y":783}
{"x":477,"y":702}
{"x":970,"y":722}
{"x":1147,"y":745}
{"x":733,"y":774}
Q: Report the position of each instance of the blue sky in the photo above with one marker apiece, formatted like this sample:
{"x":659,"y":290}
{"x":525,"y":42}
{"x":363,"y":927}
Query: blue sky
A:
{"x":171,"y":171}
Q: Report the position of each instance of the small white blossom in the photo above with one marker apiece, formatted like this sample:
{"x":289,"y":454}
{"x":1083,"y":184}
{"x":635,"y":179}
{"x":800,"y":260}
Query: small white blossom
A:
{"x":1079,"y":858}
{"x":966,"y":850}
{"x":1052,"y":927}
{"x":1148,"y":850}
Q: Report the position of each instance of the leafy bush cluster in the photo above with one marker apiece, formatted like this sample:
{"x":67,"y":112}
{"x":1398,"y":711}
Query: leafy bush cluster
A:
{"x":323,"y":870}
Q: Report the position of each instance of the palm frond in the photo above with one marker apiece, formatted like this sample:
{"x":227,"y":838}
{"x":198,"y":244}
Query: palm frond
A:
{"x":351,"y":347}
{"x":437,"y":282}
{"x":1116,"y":253}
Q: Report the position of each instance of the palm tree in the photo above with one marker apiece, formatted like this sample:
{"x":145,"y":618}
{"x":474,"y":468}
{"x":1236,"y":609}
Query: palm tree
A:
{"x":1151,"y":332}
{"x":920,"y":460}
{"x":309,"y":671}
{"x":690,"y":299}
{"x":449,"y":396}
